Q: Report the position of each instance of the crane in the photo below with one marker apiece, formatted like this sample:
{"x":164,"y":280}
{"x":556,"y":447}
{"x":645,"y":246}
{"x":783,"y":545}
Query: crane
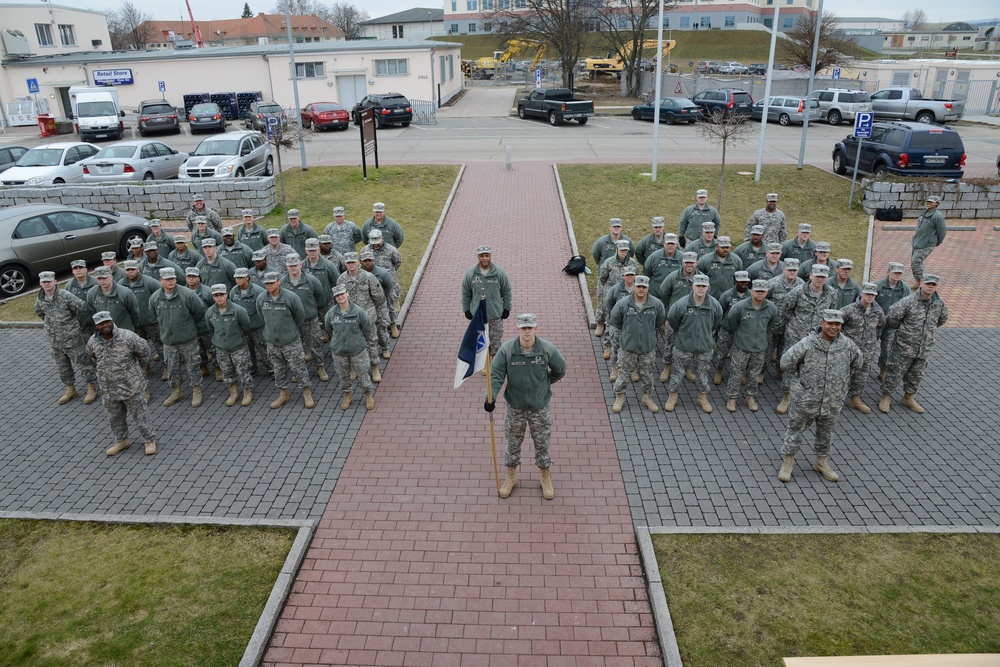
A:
{"x":195,"y":30}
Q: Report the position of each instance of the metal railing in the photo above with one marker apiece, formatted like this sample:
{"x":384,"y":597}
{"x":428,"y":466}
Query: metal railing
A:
{"x":424,"y":112}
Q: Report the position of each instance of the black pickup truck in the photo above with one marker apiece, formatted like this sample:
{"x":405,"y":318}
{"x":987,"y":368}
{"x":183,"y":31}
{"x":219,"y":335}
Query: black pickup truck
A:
{"x":556,"y":104}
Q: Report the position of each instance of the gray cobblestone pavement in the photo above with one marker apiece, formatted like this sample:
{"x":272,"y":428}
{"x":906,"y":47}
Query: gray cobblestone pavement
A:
{"x":939,"y":468}
{"x":249,"y":462}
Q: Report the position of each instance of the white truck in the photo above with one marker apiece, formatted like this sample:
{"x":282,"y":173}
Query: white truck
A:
{"x":96,"y":112}
{"x":909,"y":104}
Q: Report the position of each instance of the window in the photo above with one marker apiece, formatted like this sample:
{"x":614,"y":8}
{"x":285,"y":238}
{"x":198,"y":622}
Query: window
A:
{"x":148,"y":151}
{"x":685,"y":22}
{"x":520,"y":4}
{"x":454,"y":28}
{"x":309,"y":70}
{"x":666,"y":21}
{"x":442,"y":67}
{"x":31,"y":228}
{"x":967,"y":38}
{"x":391,"y":67}
{"x":788,"y":23}
{"x":472,"y":5}
{"x":454,"y":8}
{"x":487,"y":4}
{"x":730,"y":21}
{"x":44,"y":34}
{"x":66,"y":35}
{"x":900,"y":78}
{"x":397,"y":32}
{"x":451,"y":67}
{"x":769,"y":23}
{"x":472,"y":28}
{"x":706,"y":21}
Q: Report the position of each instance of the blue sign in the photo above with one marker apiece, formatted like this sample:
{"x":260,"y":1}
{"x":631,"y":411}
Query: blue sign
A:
{"x":113,"y":77}
{"x":32,"y":85}
{"x":836,"y":72}
{"x":163,"y":86}
{"x":272,"y":127}
{"x":863,"y":124}
{"x":538,"y":78}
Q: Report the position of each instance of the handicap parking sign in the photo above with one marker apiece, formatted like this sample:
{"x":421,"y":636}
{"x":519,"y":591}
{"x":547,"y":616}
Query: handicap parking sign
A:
{"x":863,"y":124}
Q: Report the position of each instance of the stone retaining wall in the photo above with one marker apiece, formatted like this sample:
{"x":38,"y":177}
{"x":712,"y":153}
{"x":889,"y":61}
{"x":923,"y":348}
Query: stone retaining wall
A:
{"x":156,"y":199}
{"x":958,"y":200}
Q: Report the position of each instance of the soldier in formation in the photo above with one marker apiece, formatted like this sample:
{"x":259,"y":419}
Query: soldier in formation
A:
{"x":750,"y":322}
{"x":310,"y":293}
{"x":754,"y":249}
{"x":245,"y":294}
{"x":180,"y":314}
{"x":638,"y":317}
{"x":230,"y":327}
{"x":770,"y":266}
{"x":695,"y":216}
{"x":771,"y":219}
{"x":283,"y":316}
{"x":863,"y":324}
{"x":164,"y":241}
{"x":723,"y":336}
{"x":250,"y":233}
{"x":488,"y":281}
{"x":891,"y":289}
{"x":619,"y":291}
{"x":62,"y":313}
{"x":234,"y":250}
{"x":389,"y":258}
{"x":344,"y":234}
{"x":367,"y":258}
{"x":607,"y":245}
{"x":609,"y":273}
{"x":198,"y":208}
{"x":694,"y":318}
{"x":704,"y":244}
{"x":367,"y":294}
{"x":650,"y":243}
{"x":801,"y":247}
{"x":295,"y":233}
{"x":275,"y":252}
{"x":350,"y":328}
{"x":391,"y":230}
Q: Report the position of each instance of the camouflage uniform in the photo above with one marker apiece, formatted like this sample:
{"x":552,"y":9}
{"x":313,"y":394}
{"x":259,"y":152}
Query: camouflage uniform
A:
{"x":724,"y":336}
{"x":494,"y":285}
{"x":930,"y":233}
{"x":775,"y":227}
{"x":864,"y":327}
{"x":606,"y":248}
{"x":846,"y":294}
{"x":693,"y":218}
{"x":146,"y":325}
{"x":674,"y":287}
{"x":119,"y":301}
{"x":345,"y":238}
{"x":120,"y":364}
{"x":647,"y":245}
{"x":367,"y":294}
{"x":720,"y":271}
{"x":62,"y":315}
{"x":276,"y":257}
{"x":638,"y":324}
{"x":778,"y":289}
{"x":254,"y":238}
{"x":792,"y":248}
{"x":326,"y":273}
{"x":391,"y":230}
{"x":914,"y":320}
{"x":349,"y":333}
{"x":610,"y":272}
{"x":759,"y":270}
{"x":800,"y":313}
{"x":310,"y":293}
{"x":230,"y":330}
{"x":389,"y":259}
{"x":180,"y":317}
{"x":283,"y":318}
{"x":384,"y":317}
{"x":823,"y":371}
{"x":618,"y":291}
{"x":750,"y":328}
{"x":658,"y":266}
{"x":257,"y":344}
{"x":214,"y":221}
{"x":296,"y":238}
{"x":887,"y":296}
{"x":693,"y":346}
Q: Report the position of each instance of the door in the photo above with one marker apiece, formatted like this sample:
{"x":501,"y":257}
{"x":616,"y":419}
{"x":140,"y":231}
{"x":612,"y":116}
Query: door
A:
{"x":83,"y":234}
{"x":870,"y":149}
{"x":350,"y":89}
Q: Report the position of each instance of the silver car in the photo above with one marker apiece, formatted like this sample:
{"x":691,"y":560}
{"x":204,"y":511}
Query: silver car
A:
{"x":50,"y":164}
{"x":137,"y":160}
{"x":230,"y":155}
{"x":787,"y":110}
{"x":47,"y":237}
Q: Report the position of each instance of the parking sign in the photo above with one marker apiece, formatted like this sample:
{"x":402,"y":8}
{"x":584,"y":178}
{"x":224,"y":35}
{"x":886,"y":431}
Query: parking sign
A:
{"x":538,"y":78}
{"x":163,"y":86}
{"x":272,"y":127}
{"x":863,"y":124}
{"x":836,"y":72}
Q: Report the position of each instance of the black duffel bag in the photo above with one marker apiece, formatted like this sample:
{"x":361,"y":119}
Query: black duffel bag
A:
{"x":889,"y":214}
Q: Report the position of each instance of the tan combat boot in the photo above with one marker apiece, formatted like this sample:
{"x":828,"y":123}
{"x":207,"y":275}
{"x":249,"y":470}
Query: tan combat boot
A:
{"x":377,"y":377}
{"x":394,"y":330}
{"x":760,"y":379}
{"x":607,"y":352}
{"x":635,"y":376}
{"x":176,"y":396}
{"x":671,"y":402}
{"x":752,"y":403}
{"x":117,"y":448}
{"x":703,"y":403}
{"x":92,"y":394}
{"x":911,"y":403}
{"x":386,"y":354}
{"x":650,"y":404}
{"x":509,"y":483}
{"x":731,"y":404}
{"x":234,"y":396}
{"x":369,"y":401}
{"x":150,"y":447}
{"x":665,"y":375}
{"x":281,"y":400}
{"x":859,"y":406}
{"x":614,"y":373}
{"x":322,"y":374}
{"x":599,"y":331}
{"x":822,"y":466}
{"x":218,"y":375}
{"x":782,"y":408}
{"x":69,"y":395}
{"x":619,"y":403}
{"x":354,"y":374}
{"x":309,"y":357}
{"x":307,"y":398}
{"x":247,"y":397}
{"x":347,"y":400}
{"x":689,"y":375}
{"x":547,"y":491}
{"x":718,"y":377}
{"x":883,"y":405}
{"x":204,"y":370}
{"x":166,"y":375}
{"x":196,"y":397}
{"x":785,"y":474}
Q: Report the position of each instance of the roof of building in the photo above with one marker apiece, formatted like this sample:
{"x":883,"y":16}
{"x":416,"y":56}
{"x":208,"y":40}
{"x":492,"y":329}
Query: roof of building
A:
{"x":415,"y":15}
{"x":262,"y":25}
{"x":48,"y":5}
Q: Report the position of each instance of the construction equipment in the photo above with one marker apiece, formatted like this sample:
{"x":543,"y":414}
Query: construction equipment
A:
{"x":486,"y":67}
{"x":195,"y":30}
{"x":613,"y":63}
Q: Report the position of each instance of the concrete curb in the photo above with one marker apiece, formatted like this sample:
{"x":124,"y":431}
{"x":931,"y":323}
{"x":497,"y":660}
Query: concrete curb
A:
{"x":581,"y":277}
{"x":669,"y":650}
{"x":913,"y":228}
{"x":411,"y":293}
{"x":21,"y":325}
{"x":868,"y":247}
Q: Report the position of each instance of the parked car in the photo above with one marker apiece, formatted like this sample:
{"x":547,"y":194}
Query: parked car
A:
{"x":137,"y":160}
{"x":555,"y":104}
{"x":47,"y":237}
{"x":207,"y":116}
{"x":903,"y":148}
{"x":9,"y":155}
{"x":708,"y":66}
{"x":760,"y":69}
{"x":909,"y":104}
{"x":323,"y":115}
{"x":672,"y":110}
{"x":733,"y":67}
{"x":724,"y":101}
{"x":838,"y":104}
{"x":50,"y":164}
{"x":157,"y":116}
{"x":233,"y":155}
{"x":258,"y":114}
{"x":787,"y":110}
{"x":390,"y":109}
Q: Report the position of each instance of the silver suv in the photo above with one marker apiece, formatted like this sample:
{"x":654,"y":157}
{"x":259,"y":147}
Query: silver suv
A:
{"x":837,"y":104}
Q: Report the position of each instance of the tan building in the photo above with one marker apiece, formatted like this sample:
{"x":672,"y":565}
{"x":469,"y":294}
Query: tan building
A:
{"x":418,"y":23}
{"x":260,"y":29}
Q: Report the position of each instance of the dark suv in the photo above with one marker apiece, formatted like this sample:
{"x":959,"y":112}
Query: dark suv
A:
{"x":905,"y":149}
{"x":258,"y":113}
{"x":390,"y":109}
{"x":724,"y":101}
{"x":157,"y":116}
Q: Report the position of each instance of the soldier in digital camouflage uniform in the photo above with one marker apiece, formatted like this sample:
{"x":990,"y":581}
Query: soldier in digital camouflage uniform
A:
{"x":236,"y":252}
{"x":62,"y":313}
{"x":771,"y":219}
{"x":385,"y":280}
{"x":609,"y":273}
{"x":863,"y":324}
{"x":283,"y":317}
{"x":344,"y":234}
{"x":275,"y":252}
{"x":143,"y":287}
{"x":229,"y":324}
{"x":704,"y":244}
{"x":930,"y":233}
{"x":616,"y":292}
{"x":823,"y":364}
{"x":251,"y":234}
{"x":164,"y":241}
{"x":914,"y":319}
{"x":530,"y":365}
{"x":322,"y":270}
{"x":778,"y":289}
{"x":119,"y":358}
{"x":650,"y":243}
{"x":295,"y":233}
{"x":183,"y":255}
{"x":389,"y":258}
{"x":694,"y":318}
{"x":720,"y":266}
{"x":724,"y":337}
{"x":155,"y":259}
{"x":198,"y":208}
{"x":350,"y":328}
{"x":661,"y":263}
{"x":750,"y":323}
{"x":607,"y":245}
{"x":770,"y":266}
{"x":179,"y":312}
{"x":114,"y":298}
{"x":367,"y":294}
{"x":695,"y":216}
{"x":259,"y":268}
{"x":800,"y":247}
{"x":331,"y":254}
{"x":638,"y":317}
{"x":203,"y":231}
{"x":192,"y":278}
{"x":891,"y":289}
{"x":489,"y":281}
{"x":245,"y":294}
{"x":391,"y":230}
{"x":674,"y":287}
{"x":310,"y":293}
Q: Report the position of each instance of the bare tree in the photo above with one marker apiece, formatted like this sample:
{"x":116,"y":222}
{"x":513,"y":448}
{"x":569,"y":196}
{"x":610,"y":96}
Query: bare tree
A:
{"x":129,"y":27}
{"x":726,"y":130}
{"x":833,"y":48}
{"x":348,"y":18}
{"x":624,"y":26}
{"x":914,"y":19}
{"x":283,"y":136}
{"x":560,"y":23}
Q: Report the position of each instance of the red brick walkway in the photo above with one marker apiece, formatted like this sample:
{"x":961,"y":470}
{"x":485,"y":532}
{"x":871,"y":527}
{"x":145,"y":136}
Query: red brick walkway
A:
{"x":417,"y":561}
{"x":968,"y":263}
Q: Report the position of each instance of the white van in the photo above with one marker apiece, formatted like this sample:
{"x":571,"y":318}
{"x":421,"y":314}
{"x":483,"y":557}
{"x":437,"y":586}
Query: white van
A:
{"x":96,"y":112}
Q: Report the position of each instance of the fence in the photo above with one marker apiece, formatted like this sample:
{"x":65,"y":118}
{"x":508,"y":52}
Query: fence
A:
{"x":424,"y":112}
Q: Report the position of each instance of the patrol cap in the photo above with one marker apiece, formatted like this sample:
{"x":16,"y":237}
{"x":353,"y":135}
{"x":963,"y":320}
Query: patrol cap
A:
{"x":312,"y":244}
{"x":201,"y":220}
{"x":155,"y":222}
{"x":708,"y":226}
{"x":741,"y":277}
{"x":130,"y":264}
{"x":845,"y":264}
{"x":642,"y":281}
{"x":701,"y":193}
{"x":772,"y":196}
{"x":208,"y":243}
{"x":691,"y":257}
{"x":616,"y":222}
{"x":895,"y":267}
{"x":831,"y":315}
{"x":325,"y":238}
{"x":248,"y":213}
{"x":227,"y":231}
{"x":198,"y":198}
{"x":339,"y":289}
{"x":47,"y":277}
{"x":701,"y":279}
{"x":103,"y":316}
{"x":658,"y":221}
{"x":78,"y":262}
{"x":930,"y":278}
{"x":670,"y":238}
{"x":366,"y":253}
{"x":219,"y":288}
{"x":293,"y":213}
{"x":869,"y":288}
{"x":273,"y":232}
{"x":292,"y":260}
{"x":630,"y":270}
{"x":241,"y":272}
{"x":258,"y":255}
{"x":350,"y":257}
{"x":623,"y":244}
{"x":724,"y":242}
{"x":102,"y":272}
{"x":271,"y":277}
{"x":757,"y":229}
{"x":760,"y":285}
{"x":792,"y":263}
{"x":135,"y":243}
{"x":822,"y":246}
{"x":168,"y":272}
{"x":192,"y":271}
{"x":935,"y":199}
{"x":374,"y":235}
{"x":773,"y":247}
{"x":378,"y":206}
{"x":820,"y":270}
{"x":108,"y":255}
{"x":338,"y":210}
{"x":150,"y":245}
{"x":527,"y":320}
{"x":180,"y":239}
{"x":805,"y":227}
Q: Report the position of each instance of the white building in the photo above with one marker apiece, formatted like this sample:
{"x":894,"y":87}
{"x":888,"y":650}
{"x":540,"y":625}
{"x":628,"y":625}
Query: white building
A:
{"x":418,"y":23}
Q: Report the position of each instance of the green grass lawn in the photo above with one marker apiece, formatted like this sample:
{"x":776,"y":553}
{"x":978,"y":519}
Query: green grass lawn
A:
{"x":739,"y":600}
{"x":104,"y":594}
{"x":596,"y":193}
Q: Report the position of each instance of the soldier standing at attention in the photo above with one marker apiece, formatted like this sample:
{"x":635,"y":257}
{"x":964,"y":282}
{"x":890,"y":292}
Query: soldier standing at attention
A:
{"x":230,"y":327}
{"x":322,"y":270}
{"x":110,"y":261}
{"x":750,"y":322}
{"x":155,"y":260}
{"x":778,"y":288}
{"x":489,"y":281}
{"x":674,"y":287}
{"x":331,"y":254}
{"x":770,"y":266}
{"x":863,"y":324}
{"x":62,"y":313}
{"x":891,"y":289}
{"x":366,"y":292}
{"x":202,"y":232}
{"x":214,"y":268}
{"x":179,"y":312}
{"x":616,"y":292}
{"x":720,"y":266}
{"x":240,"y":255}
{"x":391,"y":230}
{"x":607,"y":245}
{"x":183,"y":256}
{"x":824,"y":364}
{"x":651,"y":242}
{"x":120,"y":358}
{"x":638,"y":317}
{"x":610,"y":272}
{"x":275,"y":252}
{"x":385,"y":280}
{"x":530,"y":365}
{"x":694,"y":318}
{"x":198,"y":208}
{"x":259,"y":268}
{"x":801,"y":247}
{"x":390,"y":259}
{"x":754,"y":249}
{"x":694,"y":216}
{"x":350,"y":328}
{"x":344,"y":234}
{"x":771,"y":218}
{"x":661,"y":263}
{"x":250,"y":233}
{"x":295,"y":233}
{"x":283,"y":319}
{"x":310,"y":293}
{"x":931,"y":230}
{"x":706,"y":243}
{"x":245,"y":294}
{"x":110,"y":296}
{"x":143,"y":287}
{"x":848,"y":291}
{"x":164,"y":241}
{"x":724,"y":337}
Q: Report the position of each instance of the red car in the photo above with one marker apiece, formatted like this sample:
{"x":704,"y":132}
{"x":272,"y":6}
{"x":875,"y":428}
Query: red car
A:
{"x":324,"y":115}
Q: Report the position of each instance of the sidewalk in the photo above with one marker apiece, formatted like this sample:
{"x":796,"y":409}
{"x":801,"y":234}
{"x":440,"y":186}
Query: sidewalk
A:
{"x":416,"y":560}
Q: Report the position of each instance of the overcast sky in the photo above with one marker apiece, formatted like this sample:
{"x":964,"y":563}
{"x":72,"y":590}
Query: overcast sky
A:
{"x":965,"y":10}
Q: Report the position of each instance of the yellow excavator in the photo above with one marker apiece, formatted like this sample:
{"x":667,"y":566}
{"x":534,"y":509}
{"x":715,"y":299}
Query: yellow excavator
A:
{"x":613,"y":63}
{"x":486,"y":67}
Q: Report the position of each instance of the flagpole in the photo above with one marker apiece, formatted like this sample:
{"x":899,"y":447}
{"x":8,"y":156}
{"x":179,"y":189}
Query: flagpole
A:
{"x":489,"y":395}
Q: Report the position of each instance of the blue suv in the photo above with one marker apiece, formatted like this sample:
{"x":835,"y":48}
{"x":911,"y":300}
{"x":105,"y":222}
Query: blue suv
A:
{"x":904,"y":149}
